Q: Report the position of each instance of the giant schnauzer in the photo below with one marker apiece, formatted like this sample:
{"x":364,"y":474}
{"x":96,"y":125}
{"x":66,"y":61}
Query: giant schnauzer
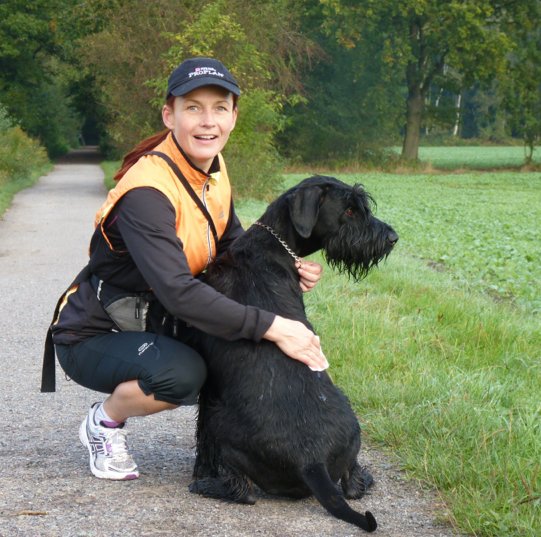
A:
{"x":264,"y":418}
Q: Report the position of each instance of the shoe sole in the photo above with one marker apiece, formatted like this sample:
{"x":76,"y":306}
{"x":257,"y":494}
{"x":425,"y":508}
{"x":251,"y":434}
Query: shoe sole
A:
{"x":97,"y":472}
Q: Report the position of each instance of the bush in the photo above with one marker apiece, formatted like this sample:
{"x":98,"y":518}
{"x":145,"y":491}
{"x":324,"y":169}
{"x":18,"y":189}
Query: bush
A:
{"x":49,"y":115}
{"x":22,"y":159}
{"x":253,"y":162}
{"x":5,"y":120}
{"x":19,"y":154}
{"x":227,"y":30}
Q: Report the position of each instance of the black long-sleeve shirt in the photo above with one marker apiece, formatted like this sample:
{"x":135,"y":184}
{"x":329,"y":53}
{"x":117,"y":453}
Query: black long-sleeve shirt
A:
{"x":149,"y":255}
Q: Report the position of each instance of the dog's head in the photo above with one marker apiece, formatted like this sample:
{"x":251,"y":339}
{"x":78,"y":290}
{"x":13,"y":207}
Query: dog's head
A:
{"x":331,"y":215}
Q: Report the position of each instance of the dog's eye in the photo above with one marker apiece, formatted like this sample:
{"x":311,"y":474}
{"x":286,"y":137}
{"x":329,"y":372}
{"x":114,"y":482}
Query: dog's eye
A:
{"x":349,"y":211}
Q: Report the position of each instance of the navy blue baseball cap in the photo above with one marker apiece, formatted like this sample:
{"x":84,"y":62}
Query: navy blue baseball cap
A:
{"x":197,"y":72}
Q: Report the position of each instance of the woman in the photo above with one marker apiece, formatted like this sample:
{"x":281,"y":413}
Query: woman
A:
{"x":153,"y":237}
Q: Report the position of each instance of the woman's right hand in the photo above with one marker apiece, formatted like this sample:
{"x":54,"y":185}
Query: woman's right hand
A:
{"x":298,"y":342}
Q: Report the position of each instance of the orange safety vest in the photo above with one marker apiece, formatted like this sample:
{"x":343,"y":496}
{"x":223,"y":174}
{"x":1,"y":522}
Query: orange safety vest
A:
{"x":192,"y":228}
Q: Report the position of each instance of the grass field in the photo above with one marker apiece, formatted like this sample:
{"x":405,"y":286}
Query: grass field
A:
{"x":475,"y":157}
{"x":439,"y":349}
{"x":479,"y":228}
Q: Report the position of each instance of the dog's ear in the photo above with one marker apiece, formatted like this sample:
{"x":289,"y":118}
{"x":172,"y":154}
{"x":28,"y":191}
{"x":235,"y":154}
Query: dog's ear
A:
{"x":304,"y":209}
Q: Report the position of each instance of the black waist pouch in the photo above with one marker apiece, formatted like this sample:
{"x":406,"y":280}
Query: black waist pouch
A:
{"x":128,"y":310}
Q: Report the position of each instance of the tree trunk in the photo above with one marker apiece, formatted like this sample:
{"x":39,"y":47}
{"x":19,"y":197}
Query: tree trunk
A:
{"x":529,"y":144}
{"x":457,"y":114}
{"x":414,"y":115}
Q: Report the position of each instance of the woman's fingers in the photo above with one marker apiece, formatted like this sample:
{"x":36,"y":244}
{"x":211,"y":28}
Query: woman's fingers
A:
{"x":309,"y":274}
{"x":298,"y":342}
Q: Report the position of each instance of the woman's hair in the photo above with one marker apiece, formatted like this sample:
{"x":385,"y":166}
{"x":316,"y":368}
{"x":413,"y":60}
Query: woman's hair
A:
{"x":150,"y":143}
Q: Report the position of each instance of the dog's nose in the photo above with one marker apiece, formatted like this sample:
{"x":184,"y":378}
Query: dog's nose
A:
{"x":392,"y":237}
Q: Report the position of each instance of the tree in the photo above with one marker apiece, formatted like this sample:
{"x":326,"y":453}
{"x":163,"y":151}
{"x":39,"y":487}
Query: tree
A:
{"x":251,"y":42}
{"x":31,"y":83}
{"x":350,"y":101}
{"x":257,"y":39}
{"x":117,"y":58}
{"x":419,"y":38}
{"x":521,"y":87}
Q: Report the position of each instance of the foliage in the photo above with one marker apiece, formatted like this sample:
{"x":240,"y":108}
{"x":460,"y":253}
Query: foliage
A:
{"x":31,"y":83}
{"x":19,"y":154}
{"x":343,"y":79}
{"x":252,"y":159}
{"x":249,"y":39}
{"x":26,"y":29}
{"x":482,"y":115}
{"x":253,"y":162}
{"x":349,"y":107}
{"x":521,"y":88}
{"x":6,"y":122}
{"x":457,"y":42}
{"x":22,"y":160}
{"x":119,"y":58}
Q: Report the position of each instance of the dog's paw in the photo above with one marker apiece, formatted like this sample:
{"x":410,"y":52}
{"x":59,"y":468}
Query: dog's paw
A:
{"x":211,"y":487}
{"x":356,"y":484}
{"x":215,"y":487}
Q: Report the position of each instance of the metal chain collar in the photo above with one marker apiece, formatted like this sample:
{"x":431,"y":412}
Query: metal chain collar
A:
{"x":280,"y":240}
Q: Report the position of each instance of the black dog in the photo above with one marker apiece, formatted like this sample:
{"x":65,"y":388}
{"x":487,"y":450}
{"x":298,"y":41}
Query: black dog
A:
{"x":263,"y":417}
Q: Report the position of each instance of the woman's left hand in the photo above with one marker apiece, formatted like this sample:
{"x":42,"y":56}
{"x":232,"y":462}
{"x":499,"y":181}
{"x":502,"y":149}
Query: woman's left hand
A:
{"x":309,"y":274}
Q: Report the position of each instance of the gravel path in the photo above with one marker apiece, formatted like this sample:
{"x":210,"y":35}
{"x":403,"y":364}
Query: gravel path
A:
{"x":46,"y":488}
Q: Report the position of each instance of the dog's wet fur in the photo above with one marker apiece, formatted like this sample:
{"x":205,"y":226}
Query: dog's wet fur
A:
{"x":264,"y":418}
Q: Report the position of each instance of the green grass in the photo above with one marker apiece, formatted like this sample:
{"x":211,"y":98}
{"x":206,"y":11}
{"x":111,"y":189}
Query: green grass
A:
{"x":10,"y":187}
{"x":474,"y":157}
{"x":480,"y":228}
{"x":448,"y":381}
{"x":110,"y":167}
{"x":444,"y":370}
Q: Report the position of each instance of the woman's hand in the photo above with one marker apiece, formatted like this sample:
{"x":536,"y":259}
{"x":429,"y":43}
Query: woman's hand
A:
{"x":309,"y":273}
{"x":298,"y":342}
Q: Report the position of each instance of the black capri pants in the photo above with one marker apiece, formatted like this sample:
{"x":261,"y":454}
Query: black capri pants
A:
{"x":165,"y":367}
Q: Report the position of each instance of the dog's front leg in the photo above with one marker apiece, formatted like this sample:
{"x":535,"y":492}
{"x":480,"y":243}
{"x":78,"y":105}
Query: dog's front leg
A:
{"x":208,"y":458}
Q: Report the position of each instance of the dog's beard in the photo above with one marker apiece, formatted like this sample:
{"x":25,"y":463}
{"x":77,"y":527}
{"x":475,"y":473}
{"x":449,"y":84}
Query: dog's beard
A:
{"x":353,"y":253}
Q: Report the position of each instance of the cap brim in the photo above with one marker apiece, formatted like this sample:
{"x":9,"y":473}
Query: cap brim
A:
{"x":185,"y":88}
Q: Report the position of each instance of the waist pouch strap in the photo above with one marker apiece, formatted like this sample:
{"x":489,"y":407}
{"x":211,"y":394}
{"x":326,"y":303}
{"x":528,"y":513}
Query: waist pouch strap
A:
{"x":48,"y":380}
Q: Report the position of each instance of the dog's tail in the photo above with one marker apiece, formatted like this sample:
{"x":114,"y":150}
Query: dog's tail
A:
{"x":319,"y":481}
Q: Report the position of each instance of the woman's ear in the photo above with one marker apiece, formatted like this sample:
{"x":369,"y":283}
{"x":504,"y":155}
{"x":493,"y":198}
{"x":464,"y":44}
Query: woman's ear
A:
{"x":168,"y":116}
{"x":235,"y":115}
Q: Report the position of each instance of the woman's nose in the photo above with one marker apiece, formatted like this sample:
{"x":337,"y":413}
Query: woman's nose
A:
{"x":207,"y":118}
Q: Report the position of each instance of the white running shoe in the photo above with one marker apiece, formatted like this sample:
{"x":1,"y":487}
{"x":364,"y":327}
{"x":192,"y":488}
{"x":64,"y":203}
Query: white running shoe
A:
{"x":109,"y":457}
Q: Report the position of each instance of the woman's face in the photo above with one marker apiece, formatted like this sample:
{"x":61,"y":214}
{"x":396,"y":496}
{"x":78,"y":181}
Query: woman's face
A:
{"x":202,"y":121}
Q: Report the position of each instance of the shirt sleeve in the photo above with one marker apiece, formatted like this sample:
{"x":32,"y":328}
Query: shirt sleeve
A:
{"x":146,"y":222}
